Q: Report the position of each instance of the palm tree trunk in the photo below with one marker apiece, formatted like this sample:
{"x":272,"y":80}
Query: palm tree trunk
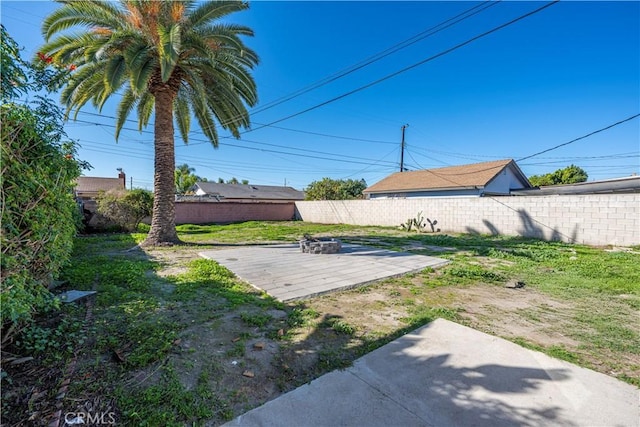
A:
{"x":163,"y":219}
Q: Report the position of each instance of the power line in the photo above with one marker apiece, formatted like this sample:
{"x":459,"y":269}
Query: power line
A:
{"x":380,"y":55}
{"x":373,"y":164}
{"x":628,"y":154}
{"x":416,"y":162}
{"x":620,"y":155}
{"x":555,"y":162}
{"x":276,"y":127}
{"x":417,"y":64}
{"x":421,"y":36}
{"x":580,"y":138}
{"x":263,"y":143}
{"x":428,"y":157}
{"x":330,"y":136}
{"x":103,"y":147}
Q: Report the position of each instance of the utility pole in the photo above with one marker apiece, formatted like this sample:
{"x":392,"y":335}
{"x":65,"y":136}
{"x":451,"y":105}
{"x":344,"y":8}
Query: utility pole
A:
{"x":402,"y":149}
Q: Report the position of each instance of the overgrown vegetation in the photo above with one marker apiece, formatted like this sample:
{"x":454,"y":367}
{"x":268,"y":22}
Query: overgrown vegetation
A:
{"x":126,"y":208}
{"x":174,"y":339}
{"x":39,"y":214}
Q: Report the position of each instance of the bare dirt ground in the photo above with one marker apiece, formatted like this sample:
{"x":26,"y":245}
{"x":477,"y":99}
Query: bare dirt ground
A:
{"x":253,"y":365}
{"x":244,"y":365}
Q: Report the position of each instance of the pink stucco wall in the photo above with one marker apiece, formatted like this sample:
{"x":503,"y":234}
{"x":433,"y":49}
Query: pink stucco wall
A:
{"x":209,"y":212}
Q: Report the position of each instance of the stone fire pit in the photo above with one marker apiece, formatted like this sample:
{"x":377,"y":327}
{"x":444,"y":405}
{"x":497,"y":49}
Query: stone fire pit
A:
{"x":325,"y":245}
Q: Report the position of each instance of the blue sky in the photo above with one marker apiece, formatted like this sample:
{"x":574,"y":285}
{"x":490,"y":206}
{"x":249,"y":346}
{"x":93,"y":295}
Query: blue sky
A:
{"x":547,"y":79}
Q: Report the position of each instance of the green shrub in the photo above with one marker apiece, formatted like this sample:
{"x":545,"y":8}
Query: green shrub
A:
{"x":126,"y":208}
{"x":39,"y":213}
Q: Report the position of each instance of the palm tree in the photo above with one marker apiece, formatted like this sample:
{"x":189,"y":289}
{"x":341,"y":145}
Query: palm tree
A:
{"x":185,"y":178}
{"x":167,"y":57}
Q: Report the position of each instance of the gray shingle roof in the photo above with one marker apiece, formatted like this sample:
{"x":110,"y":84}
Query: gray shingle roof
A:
{"x":249,"y":191}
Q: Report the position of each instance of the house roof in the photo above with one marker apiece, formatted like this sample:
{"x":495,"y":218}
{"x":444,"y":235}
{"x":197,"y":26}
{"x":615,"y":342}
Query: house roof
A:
{"x":89,"y":184}
{"x":628,"y":184}
{"x":249,"y":191}
{"x":476,"y":175}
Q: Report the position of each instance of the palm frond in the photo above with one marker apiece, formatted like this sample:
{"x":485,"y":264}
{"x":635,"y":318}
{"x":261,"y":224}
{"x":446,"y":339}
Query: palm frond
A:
{"x":169,"y":49}
{"x":144,"y":44}
{"x":194,"y":91}
{"x":88,"y":13}
{"x":213,"y":10}
{"x":115,"y":72}
{"x":79,"y":87}
{"x":127,"y":104}
{"x":145,"y":108}
{"x":140,"y":75}
{"x":182,"y":114}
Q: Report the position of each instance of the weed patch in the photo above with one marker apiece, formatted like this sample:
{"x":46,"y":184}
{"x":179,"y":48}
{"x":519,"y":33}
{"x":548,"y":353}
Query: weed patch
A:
{"x":172,"y":350}
{"x":168,"y":403}
{"x":340,"y":326}
{"x":472,"y":273}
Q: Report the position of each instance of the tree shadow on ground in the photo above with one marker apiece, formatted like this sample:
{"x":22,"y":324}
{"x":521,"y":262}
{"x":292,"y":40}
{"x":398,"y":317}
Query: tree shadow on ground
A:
{"x":425,"y":388}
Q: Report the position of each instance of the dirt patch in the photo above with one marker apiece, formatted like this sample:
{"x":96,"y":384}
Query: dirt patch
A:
{"x":380,"y":310}
{"x":172,"y":262}
{"x":509,"y":313}
{"x":245,"y":355}
{"x":516,"y":313}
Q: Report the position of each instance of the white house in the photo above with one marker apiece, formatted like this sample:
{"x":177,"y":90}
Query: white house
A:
{"x":488,"y":178}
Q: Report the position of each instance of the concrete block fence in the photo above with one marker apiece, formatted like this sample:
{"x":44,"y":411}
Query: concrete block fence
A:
{"x":600,"y":219}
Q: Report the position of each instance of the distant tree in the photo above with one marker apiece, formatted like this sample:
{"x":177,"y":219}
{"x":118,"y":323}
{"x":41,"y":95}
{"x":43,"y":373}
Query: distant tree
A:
{"x":569,"y":175}
{"x":185,"y":178}
{"x":233,"y":180}
{"x":335,"y":189}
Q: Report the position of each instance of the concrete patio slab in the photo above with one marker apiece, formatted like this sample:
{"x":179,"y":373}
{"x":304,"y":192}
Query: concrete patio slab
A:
{"x":447,"y":375}
{"x":287,"y":274}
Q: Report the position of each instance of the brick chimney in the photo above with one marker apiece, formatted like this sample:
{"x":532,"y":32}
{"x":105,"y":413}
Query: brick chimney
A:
{"x":123,"y":177}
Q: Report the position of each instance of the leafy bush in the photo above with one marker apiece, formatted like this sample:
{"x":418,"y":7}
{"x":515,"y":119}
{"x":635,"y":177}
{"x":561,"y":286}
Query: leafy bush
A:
{"x":39,"y":214}
{"x":335,"y":189}
{"x":126,"y":208}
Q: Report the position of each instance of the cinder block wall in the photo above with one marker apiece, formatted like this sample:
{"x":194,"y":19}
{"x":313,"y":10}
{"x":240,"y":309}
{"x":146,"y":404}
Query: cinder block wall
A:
{"x":602,"y":219}
{"x":208,"y":212}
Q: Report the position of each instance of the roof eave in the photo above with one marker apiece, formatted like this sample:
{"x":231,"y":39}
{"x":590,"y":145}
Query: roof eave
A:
{"x":415,"y":190}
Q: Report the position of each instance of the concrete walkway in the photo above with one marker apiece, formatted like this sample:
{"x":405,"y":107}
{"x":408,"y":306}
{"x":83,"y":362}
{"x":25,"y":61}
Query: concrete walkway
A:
{"x":446,"y":375}
{"x":287,"y":274}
